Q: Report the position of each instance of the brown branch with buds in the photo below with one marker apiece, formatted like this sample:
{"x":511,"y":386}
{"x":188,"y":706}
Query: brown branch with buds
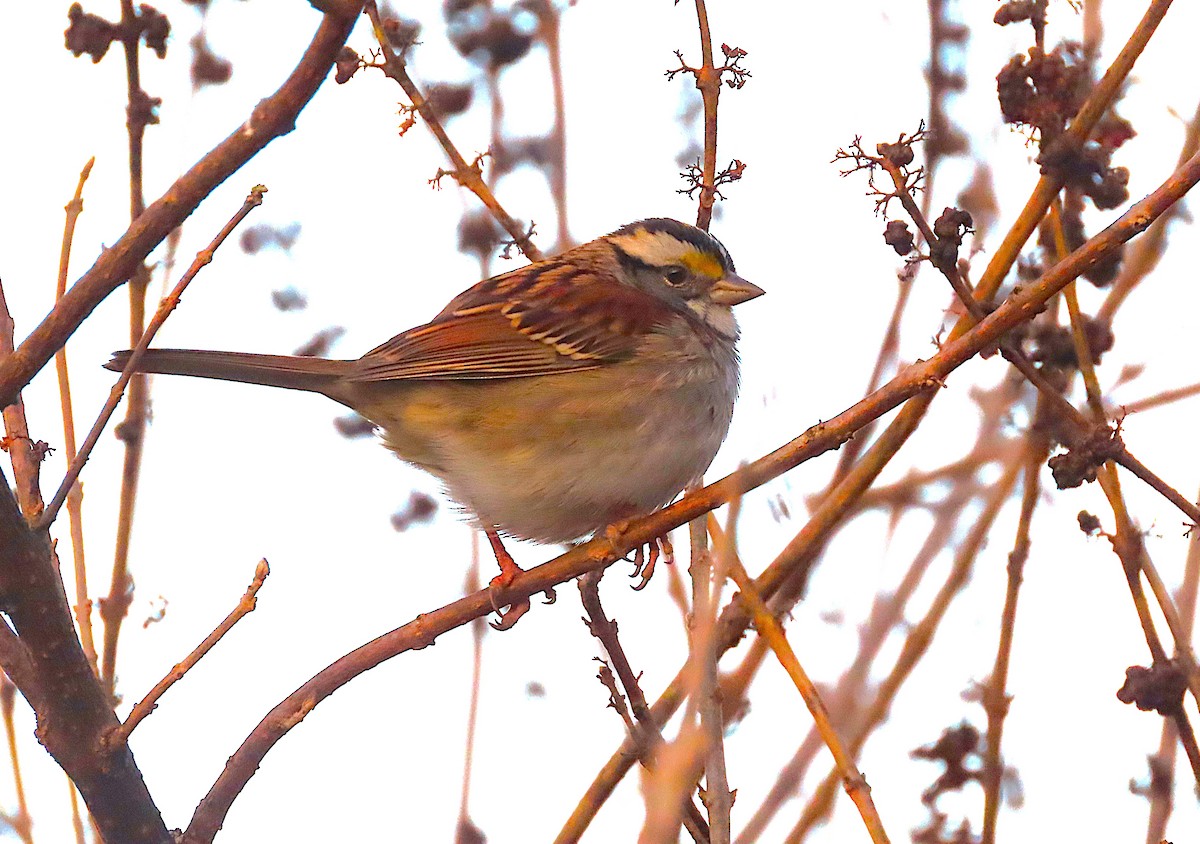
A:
{"x":149,"y":703}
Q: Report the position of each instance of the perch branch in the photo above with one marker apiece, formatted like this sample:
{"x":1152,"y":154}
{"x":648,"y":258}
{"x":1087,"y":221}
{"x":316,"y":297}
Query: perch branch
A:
{"x":921,"y":378}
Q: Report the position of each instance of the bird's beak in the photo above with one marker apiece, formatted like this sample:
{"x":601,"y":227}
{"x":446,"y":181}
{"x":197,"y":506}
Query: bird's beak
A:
{"x":733,"y":290}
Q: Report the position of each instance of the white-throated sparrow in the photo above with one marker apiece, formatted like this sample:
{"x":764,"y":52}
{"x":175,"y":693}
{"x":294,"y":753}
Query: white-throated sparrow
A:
{"x":552,"y":400}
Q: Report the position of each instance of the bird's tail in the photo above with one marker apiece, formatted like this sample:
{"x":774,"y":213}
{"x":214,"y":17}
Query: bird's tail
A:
{"x":316,"y":375}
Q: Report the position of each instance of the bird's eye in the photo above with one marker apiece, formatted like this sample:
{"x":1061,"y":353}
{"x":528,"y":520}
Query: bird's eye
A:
{"x":675,"y":276}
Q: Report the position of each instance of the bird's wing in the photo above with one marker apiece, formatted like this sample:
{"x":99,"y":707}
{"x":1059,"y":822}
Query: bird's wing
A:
{"x":511,"y":327}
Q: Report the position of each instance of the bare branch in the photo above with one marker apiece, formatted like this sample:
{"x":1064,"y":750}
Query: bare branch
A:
{"x":168,"y":304}
{"x":150,"y":702}
{"x":272,"y":117}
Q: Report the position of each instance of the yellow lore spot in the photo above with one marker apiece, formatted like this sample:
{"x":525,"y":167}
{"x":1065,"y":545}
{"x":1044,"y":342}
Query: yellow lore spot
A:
{"x":704,"y":264}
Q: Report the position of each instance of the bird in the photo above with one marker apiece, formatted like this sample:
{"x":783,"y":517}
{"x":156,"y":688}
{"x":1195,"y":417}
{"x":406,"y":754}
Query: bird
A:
{"x":551,"y":401}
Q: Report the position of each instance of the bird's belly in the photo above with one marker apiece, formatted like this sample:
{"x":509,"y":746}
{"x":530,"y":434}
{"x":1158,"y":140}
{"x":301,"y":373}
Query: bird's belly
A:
{"x":553,"y":461}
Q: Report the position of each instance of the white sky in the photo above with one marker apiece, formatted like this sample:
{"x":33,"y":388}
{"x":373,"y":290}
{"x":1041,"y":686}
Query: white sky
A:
{"x":234,"y":473}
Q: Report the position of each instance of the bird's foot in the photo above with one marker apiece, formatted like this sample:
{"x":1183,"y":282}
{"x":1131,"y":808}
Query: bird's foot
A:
{"x":650,"y":554}
{"x":508,"y":573}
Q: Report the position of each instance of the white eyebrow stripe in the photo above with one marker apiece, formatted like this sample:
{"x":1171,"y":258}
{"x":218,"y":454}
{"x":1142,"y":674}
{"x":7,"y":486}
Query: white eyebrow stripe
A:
{"x":654,"y":248}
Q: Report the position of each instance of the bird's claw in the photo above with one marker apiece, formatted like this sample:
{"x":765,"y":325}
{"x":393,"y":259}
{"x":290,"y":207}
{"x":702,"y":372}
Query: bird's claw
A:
{"x":500,"y":583}
{"x":646,"y":570}
{"x":508,"y":573}
{"x":508,"y":619}
{"x":516,"y":609}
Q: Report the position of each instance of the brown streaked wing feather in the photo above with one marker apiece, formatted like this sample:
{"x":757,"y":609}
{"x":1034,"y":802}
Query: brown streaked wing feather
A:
{"x":587,"y":319}
{"x":502,"y":329}
{"x":479,"y":345}
{"x":498,"y":289}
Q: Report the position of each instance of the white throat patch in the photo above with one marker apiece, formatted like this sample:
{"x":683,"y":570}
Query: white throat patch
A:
{"x":718,"y":317}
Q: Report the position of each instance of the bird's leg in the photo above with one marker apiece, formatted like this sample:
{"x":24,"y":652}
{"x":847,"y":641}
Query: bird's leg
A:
{"x":508,"y":573}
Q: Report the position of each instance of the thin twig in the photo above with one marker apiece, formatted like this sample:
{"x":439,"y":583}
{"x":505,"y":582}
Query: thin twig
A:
{"x":76,"y":817}
{"x":995,"y":693}
{"x":706,"y":651}
{"x":1162,"y":763}
{"x":605,"y":630}
{"x":83,"y":604}
{"x":887,"y":611}
{"x":150,"y":702}
{"x":679,"y":764}
{"x":394,"y":66}
{"x":21,"y":823}
{"x":642,"y":729}
{"x":138,"y":112}
{"x":1141,"y":260}
{"x":708,"y":81}
{"x":132,"y":429}
{"x":168,"y":304}
{"x":1087,"y":369}
{"x":915,"y":646}
{"x":1126,"y":460}
{"x":1159,"y":399}
{"x":478,"y":628}
{"x":769,"y":628}
{"x":551,"y":30}
{"x":1124,"y":543}
{"x":706,"y":587}
{"x":889,"y":348}
{"x":1130,"y":549}
{"x":1083,"y":351}
{"x":1112,"y":489}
